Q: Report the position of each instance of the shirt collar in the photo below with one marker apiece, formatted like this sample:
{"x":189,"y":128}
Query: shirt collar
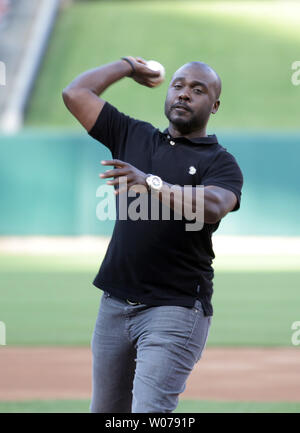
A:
{"x":210,"y":139}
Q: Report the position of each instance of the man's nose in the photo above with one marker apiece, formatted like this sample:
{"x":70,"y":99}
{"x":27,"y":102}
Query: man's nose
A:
{"x":184,"y":95}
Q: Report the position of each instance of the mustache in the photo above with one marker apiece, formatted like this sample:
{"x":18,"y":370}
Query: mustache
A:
{"x":180,"y":105}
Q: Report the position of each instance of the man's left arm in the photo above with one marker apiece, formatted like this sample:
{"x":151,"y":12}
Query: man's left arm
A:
{"x":215,"y":201}
{"x":218,"y":202}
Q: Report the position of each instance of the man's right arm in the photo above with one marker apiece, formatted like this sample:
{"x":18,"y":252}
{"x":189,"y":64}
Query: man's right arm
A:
{"x":81,"y":96}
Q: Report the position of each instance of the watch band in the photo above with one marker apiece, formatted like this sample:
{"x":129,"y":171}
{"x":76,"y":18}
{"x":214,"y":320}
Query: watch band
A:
{"x":147,"y":184}
{"x":131,"y":64}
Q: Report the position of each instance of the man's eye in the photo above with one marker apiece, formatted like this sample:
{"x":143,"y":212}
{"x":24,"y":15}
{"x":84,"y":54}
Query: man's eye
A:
{"x":197,"y":90}
{"x":177,"y":86}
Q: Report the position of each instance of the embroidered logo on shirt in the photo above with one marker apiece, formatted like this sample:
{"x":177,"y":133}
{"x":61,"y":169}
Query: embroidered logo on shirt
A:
{"x":192,"y":170}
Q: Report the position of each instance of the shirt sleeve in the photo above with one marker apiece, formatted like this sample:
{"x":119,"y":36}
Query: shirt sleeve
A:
{"x":225,"y":173}
{"x":111,"y":128}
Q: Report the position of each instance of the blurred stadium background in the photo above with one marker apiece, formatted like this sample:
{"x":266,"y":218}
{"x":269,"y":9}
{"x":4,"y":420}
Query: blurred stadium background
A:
{"x":51,"y":243}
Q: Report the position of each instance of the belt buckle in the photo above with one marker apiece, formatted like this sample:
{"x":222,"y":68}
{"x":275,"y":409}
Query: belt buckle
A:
{"x":131,"y":302}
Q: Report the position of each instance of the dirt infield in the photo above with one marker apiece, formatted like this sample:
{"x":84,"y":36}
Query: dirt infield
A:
{"x":226,"y":374}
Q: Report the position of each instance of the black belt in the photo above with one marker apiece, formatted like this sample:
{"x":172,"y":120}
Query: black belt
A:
{"x":132,"y":302}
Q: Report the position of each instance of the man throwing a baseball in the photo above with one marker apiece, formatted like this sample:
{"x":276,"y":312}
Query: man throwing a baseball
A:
{"x":157,"y":275}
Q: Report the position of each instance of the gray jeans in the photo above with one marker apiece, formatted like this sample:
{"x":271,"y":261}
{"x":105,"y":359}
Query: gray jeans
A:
{"x":142,"y":356}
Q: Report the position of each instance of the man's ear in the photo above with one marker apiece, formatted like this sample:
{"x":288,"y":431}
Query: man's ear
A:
{"x":216,"y":106}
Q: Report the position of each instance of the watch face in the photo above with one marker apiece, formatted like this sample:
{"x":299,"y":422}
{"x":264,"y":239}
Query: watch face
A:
{"x":156,"y":181}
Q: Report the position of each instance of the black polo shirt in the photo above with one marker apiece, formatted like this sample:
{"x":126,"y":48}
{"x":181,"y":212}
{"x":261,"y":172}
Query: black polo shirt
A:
{"x":159,"y":262}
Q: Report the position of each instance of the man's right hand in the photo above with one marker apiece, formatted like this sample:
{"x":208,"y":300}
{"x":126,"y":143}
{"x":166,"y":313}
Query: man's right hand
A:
{"x":81,"y":96}
{"x":142,"y":74}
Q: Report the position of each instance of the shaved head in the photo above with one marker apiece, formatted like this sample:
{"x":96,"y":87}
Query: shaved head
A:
{"x":193,"y":95}
{"x":209,"y":70}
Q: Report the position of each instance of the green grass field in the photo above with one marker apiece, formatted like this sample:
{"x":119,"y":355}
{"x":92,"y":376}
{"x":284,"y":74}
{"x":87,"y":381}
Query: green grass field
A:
{"x":251,"y":44}
{"x":184,"y":406}
{"x":50,"y":300}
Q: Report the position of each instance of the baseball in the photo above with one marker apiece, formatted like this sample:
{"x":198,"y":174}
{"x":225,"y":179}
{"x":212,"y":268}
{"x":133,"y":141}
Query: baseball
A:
{"x":156,"y":66}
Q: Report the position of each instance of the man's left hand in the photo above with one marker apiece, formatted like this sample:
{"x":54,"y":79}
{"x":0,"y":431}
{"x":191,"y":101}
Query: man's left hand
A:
{"x":125,"y":175}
